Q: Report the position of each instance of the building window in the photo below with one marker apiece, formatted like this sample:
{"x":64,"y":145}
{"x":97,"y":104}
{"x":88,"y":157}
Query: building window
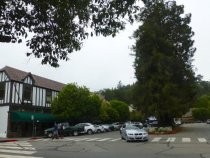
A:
{"x":2,"y":90}
{"x":48,"y":96}
{"x":27,"y":92}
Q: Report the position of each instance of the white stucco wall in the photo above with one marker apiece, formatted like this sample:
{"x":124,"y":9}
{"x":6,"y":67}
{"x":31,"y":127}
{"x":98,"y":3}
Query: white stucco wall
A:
{"x":3,"y":121}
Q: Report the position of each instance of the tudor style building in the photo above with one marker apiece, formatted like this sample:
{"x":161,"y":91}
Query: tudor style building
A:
{"x":25,"y":101}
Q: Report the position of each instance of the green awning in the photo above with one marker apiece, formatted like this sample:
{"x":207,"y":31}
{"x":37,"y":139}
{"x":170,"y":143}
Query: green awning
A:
{"x":32,"y":116}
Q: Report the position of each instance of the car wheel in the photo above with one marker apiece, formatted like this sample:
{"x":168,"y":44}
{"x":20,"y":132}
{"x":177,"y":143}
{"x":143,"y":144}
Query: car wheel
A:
{"x":98,"y":131}
{"x":90,"y":131}
{"x":127,"y":139}
{"x":75,"y":133}
{"x":50,"y":135}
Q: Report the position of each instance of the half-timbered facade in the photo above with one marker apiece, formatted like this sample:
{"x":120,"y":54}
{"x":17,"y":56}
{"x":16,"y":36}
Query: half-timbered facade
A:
{"x":23,"y":94}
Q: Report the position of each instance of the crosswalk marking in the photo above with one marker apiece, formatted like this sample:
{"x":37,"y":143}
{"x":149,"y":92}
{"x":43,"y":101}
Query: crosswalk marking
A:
{"x":171,"y":139}
{"x":93,"y":139}
{"x":202,"y":140}
{"x":156,"y":139}
{"x":68,"y":139}
{"x":103,"y":139}
{"x":20,"y":149}
{"x":16,"y":156}
{"x":153,"y":139}
{"x":80,"y":139}
{"x":113,"y":140}
{"x":186,"y":140}
{"x":9,"y":147}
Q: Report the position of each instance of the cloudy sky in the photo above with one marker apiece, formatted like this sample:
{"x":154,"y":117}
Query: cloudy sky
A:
{"x":103,"y":62}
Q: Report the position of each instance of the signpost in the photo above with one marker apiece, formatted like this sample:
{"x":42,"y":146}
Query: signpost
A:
{"x":32,"y":118}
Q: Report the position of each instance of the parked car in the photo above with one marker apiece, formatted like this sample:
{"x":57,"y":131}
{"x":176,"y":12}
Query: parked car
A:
{"x":108,"y":127}
{"x":208,"y":121}
{"x":99,"y":129}
{"x":88,"y":127}
{"x":68,"y":130}
{"x":73,"y":130}
{"x":49,"y":132}
{"x":132,"y":133}
{"x":117,"y":125}
{"x":152,"y":121}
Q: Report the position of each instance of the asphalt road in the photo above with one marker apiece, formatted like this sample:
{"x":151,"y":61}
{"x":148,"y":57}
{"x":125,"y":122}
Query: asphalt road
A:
{"x":192,"y":142}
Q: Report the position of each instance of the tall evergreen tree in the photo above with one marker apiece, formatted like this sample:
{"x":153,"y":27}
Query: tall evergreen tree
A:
{"x":163,"y":60}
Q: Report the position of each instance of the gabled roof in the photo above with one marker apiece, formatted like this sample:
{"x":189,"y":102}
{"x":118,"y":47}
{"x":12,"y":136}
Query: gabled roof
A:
{"x":18,"y":75}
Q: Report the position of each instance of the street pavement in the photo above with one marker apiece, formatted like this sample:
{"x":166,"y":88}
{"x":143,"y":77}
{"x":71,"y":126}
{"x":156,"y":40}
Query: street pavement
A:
{"x":192,"y":142}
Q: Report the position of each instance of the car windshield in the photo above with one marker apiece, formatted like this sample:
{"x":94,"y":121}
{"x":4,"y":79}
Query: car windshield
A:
{"x":131,"y":127}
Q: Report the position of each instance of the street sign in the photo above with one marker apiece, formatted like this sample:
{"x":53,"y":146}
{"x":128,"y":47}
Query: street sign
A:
{"x":32,"y":117}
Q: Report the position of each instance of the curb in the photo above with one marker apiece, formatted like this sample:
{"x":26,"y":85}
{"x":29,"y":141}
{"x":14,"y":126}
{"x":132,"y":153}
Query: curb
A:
{"x":32,"y":138}
{"x":14,"y":140}
{"x":8,"y":140}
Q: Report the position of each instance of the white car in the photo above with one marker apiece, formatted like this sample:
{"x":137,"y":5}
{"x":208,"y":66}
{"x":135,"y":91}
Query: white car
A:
{"x":99,"y":129}
{"x":88,"y":127}
{"x":108,"y":127}
{"x":133,"y":133}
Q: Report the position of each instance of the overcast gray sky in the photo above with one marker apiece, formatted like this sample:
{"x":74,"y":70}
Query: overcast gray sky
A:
{"x":103,"y":62}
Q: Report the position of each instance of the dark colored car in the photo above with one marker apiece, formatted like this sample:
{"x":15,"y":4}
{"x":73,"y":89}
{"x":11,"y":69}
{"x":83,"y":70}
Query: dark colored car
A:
{"x":68,"y":130}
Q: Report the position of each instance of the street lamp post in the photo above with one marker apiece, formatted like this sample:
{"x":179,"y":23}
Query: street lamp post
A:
{"x":32,"y":118}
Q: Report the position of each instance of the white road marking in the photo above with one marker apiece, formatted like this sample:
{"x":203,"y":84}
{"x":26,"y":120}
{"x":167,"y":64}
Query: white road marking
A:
{"x":10,"y":144}
{"x":103,"y":139}
{"x":10,"y":147}
{"x":25,"y":152}
{"x":171,"y":139}
{"x":20,"y":149}
{"x":113,"y":140}
{"x":15,"y":156}
{"x":69,"y":139}
{"x":202,"y":140}
{"x":156,"y":139}
{"x":80,"y":139}
{"x":27,"y":146}
{"x":186,"y":140}
{"x":92,"y":139}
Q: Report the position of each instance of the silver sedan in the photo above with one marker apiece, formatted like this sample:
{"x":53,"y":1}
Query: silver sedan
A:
{"x":133,"y":133}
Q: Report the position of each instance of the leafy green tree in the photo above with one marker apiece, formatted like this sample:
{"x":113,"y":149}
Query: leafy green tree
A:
{"x":121,"y":92}
{"x":163,"y":61}
{"x":203,"y":88}
{"x":201,"y":114}
{"x":76,"y":104}
{"x":202,"y":108}
{"x":121,"y":108}
{"x":108,"y":113}
{"x":103,"y":116}
{"x":203,"y":102}
{"x":58,"y":27}
{"x":136,"y":116}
